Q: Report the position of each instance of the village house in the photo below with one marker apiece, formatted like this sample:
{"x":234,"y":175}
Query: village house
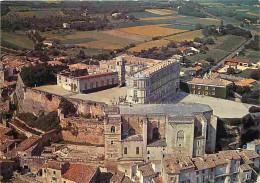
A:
{"x":209,"y":87}
{"x":225,"y":166}
{"x":237,"y":62}
{"x":254,"y":146}
{"x":64,"y":172}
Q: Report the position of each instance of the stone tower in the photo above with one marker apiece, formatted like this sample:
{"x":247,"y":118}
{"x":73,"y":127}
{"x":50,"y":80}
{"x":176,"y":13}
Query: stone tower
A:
{"x":112,"y":134}
{"x":120,"y":68}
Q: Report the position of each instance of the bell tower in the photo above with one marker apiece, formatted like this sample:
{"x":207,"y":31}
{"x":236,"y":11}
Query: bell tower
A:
{"x":120,"y":68}
{"x":112,"y":128}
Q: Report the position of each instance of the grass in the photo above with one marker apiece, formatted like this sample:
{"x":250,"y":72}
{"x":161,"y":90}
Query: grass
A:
{"x":242,"y":10}
{"x":187,"y":36}
{"x":253,"y":14}
{"x":193,"y":20}
{"x":160,"y":11}
{"x":150,"y":44}
{"x":223,"y":46}
{"x":211,"y":4}
{"x":88,"y":51}
{"x":17,"y":38}
{"x":181,"y":26}
{"x":252,"y":55}
{"x":161,"y":18}
{"x":151,"y":30}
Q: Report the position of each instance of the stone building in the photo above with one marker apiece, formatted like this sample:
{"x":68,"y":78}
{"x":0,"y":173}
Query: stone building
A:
{"x":154,"y":83}
{"x":254,"y":146}
{"x":148,"y":132}
{"x":209,"y":87}
{"x":87,"y":83}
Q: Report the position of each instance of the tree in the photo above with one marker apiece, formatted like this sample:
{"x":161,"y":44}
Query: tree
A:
{"x":255,"y":74}
{"x":198,"y":26}
{"x":209,"y":41}
{"x":81,"y":55}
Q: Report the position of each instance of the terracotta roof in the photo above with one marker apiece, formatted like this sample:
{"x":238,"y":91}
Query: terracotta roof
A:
{"x":117,"y":177}
{"x":245,"y":82}
{"x":4,"y":130}
{"x":177,"y":163}
{"x":80,"y":173}
{"x":55,"y":62}
{"x":127,"y":180}
{"x":231,"y":63}
{"x":96,"y":75}
{"x":203,"y":61}
{"x":245,"y":167}
{"x":237,"y":60}
{"x":78,"y":66}
{"x":215,"y":75}
{"x":157,"y":179}
{"x":146,"y":170}
{"x":5,"y":144}
{"x":27,"y":143}
{"x":54,"y":165}
{"x":249,"y":154}
{"x":197,"y":68}
{"x":214,"y":82}
{"x":182,"y":48}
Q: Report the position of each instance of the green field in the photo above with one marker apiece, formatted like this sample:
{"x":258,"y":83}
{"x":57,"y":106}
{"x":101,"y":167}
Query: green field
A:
{"x":17,"y":38}
{"x":252,"y":55}
{"x":223,"y":46}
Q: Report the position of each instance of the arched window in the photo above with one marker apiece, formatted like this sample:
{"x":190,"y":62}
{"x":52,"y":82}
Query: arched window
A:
{"x":113,"y":129}
{"x":180,"y":136}
{"x":125,"y":150}
{"x":137,"y":150}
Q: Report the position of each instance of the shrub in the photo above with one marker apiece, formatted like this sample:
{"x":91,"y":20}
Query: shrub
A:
{"x":67,"y":107}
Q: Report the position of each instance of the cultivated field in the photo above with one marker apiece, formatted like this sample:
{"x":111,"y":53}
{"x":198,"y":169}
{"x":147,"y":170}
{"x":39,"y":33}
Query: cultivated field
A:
{"x":126,"y":35}
{"x":160,"y":11}
{"x":203,"y":21}
{"x":187,"y":36}
{"x":102,"y":45}
{"x":151,"y":30}
{"x":17,"y":38}
{"x":150,"y":44}
{"x":242,"y":10}
{"x":161,"y":18}
{"x":253,"y":14}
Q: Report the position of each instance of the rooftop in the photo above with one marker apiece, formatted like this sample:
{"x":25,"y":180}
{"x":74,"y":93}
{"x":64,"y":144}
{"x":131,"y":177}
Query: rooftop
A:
{"x":172,"y":110}
{"x":256,"y":142}
{"x":134,"y":138}
{"x":80,"y":173}
{"x":176,"y":164}
{"x":158,"y":143}
{"x":231,"y":63}
{"x":245,"y":167}
{"x":214,"y":82}
{"x":146,"y":170}
{"x":117,"y":177}
{"x":237,"y":60}
{"x":156,"y":67}
{"x":245,"y":82}
{"x":54,"y":165}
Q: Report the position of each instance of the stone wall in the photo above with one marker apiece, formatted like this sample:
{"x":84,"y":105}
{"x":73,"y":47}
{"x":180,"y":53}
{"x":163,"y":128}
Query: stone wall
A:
{"x":34,"y":101}
{"x":82,"y":130}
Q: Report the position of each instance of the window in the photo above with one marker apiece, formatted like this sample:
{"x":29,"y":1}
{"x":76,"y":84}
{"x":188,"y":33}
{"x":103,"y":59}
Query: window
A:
{"x":125,"y":150}
{"x":180,"y":136}
{"x":198,"y":143}
{"x":64,"y":181}
{"x":111,"y":155}
{"x":111,"y":142}
{"x":113,"y":129}
{"x":137,"y":150}
{"x":44,"y":170}
{"x":54,"y":172}
{"x":198,"y":152}
{"x":135,"y":83}
{"x":148,"y":152}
